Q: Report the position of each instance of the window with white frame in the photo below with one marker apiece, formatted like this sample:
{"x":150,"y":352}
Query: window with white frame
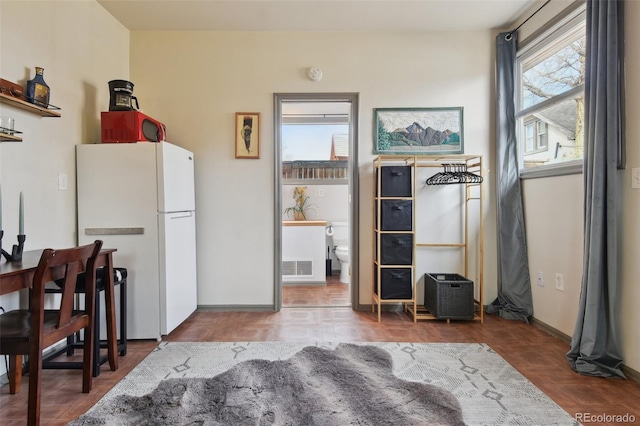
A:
{"x":535,"y":136}
{"x":550,"y":95}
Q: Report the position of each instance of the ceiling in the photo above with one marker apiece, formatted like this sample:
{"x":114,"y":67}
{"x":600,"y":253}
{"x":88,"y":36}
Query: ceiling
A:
{"x":316,"y":15}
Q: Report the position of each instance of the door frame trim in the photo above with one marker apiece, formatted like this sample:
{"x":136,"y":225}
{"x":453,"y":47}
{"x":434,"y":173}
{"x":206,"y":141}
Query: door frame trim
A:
{"x":353,"y":99}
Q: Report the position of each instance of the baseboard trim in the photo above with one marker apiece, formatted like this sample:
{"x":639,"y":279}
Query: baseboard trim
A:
{"x":551,"y":330}
{"x":235,"y":308}
{"x":304,"y":283}
{"x":628,"y":371}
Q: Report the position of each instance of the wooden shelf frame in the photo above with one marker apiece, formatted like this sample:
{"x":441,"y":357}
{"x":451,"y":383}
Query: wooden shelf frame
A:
{"x":474,"y":192}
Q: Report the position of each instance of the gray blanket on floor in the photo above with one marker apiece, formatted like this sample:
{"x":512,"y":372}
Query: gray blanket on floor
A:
{"x":351,"y":385}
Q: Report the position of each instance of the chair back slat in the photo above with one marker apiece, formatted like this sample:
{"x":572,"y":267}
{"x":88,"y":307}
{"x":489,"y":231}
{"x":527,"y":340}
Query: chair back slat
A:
{"x":68,"y":292}
{"x":69,"y":261}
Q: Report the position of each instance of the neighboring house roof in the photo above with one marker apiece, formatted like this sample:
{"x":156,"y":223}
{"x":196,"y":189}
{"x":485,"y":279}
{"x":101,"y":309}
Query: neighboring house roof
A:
{"x":561,"y":116}
{"x":340,"y":145}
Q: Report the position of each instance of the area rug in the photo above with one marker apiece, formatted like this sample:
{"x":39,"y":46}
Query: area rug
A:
{"x":325,"y":384}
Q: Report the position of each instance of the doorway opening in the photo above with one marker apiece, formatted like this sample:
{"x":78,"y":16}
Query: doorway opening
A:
{"x":316,"y":181}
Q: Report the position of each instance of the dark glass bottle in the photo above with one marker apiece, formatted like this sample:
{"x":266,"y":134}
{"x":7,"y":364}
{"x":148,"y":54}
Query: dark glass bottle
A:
{"x":37,"y":89}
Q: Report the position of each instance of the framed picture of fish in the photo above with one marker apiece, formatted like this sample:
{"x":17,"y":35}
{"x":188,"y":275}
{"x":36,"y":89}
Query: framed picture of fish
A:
{"x":247,"y":135}
{"x":418,"y":131}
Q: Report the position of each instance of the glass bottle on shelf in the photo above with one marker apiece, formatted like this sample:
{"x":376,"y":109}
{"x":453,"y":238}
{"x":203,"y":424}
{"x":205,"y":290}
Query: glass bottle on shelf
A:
{"x":38,"y":90}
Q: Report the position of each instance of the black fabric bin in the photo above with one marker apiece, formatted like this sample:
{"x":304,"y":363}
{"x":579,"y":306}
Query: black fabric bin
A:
{"x":396,"y":215}
{"x":395,"y":283}
{"x":395,"y":181}
{"x":396,"y":249}
{"x":448,"y":296}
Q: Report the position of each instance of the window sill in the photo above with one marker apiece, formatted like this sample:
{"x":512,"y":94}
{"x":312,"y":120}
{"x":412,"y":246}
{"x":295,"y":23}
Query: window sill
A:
{"x":559,"y":169}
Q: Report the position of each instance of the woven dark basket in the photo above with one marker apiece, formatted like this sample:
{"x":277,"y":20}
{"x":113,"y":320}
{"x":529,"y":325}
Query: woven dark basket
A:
{"x":448,"y":296}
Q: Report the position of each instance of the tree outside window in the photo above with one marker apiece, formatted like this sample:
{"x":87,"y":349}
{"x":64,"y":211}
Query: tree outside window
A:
{"x":550,"y":108}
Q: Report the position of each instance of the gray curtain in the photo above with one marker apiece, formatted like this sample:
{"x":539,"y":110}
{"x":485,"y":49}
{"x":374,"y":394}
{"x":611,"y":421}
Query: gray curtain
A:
{"x":514,"y":285}
{"x":594,"y":346}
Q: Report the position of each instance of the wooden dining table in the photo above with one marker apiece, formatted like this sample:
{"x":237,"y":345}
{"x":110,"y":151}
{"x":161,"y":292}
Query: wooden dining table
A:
{"x":18,"y":275}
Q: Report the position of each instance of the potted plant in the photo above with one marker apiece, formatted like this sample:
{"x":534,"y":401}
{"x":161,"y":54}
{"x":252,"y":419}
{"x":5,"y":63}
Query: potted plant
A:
{"x":302,"y":205}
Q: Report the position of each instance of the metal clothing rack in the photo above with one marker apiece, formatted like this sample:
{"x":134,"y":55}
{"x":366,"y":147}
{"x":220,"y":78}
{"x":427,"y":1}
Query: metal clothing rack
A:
{"x":466,"y":170}
{"x":454,"y":174}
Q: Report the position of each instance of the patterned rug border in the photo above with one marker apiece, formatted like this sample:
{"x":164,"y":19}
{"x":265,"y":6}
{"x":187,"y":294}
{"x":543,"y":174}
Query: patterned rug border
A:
{"x":490,"y":390}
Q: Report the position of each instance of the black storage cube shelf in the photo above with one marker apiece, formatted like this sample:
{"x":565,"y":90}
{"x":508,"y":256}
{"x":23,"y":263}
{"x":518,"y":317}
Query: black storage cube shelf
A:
{"x":395,"y":181}
{"x":396,"y":249}
{"x":448,"y":296}
{"x":395,"y":283}
{"x":396,"y":215}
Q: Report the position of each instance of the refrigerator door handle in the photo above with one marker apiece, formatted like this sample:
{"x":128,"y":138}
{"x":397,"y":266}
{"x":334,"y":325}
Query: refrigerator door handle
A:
{"x":180,"y":215}
{"x":113,"y":231}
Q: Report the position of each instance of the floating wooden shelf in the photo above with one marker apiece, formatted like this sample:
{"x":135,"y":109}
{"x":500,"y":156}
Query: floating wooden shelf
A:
{"x":35,"y":109}
{"x":5,"y":137}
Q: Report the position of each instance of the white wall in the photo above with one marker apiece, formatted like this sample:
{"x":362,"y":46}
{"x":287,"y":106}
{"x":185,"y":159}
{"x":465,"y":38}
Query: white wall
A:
{"x":196,"y":81}
{"x":81,"y":47}
{"x":329,"y":202}
{"x":554,"y":218}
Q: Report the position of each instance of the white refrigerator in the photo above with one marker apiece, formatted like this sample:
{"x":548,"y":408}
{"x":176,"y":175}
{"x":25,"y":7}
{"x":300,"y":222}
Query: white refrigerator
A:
{"x":139,"y":198}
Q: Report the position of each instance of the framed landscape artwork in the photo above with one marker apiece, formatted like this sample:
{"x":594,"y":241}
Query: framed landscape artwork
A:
{"x":418,"y":131}
{"x":247,"y":135}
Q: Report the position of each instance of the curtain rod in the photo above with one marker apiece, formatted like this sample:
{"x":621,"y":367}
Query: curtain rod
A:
{"x":510,"y":33}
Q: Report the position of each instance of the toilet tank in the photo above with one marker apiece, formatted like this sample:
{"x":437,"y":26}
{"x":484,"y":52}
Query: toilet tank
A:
{"x":340,"y":233}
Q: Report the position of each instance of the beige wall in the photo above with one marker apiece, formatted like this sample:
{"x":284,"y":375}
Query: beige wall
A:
{"x":196,"y":81}
{"x":554,"y":218}
{"x":81,"y":47}
{"x":629,"y":316}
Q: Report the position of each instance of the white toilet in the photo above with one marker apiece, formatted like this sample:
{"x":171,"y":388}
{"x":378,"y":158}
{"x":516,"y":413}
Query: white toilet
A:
{"x":341,"y":244}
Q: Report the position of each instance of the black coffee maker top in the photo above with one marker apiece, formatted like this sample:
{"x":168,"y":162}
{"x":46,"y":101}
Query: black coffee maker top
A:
{"x":121,"y":85}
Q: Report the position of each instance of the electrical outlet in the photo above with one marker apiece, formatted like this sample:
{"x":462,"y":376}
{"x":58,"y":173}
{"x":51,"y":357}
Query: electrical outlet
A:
{"x":62,"y":181}
{"x":320,"y":193}
{"x":559,"y":282}
{"x":635,"y":178}
{"x":540,"y":279}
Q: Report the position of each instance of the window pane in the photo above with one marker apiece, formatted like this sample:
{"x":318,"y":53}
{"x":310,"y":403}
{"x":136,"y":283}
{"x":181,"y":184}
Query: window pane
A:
{"x":530,"y":143}
{"x":564,"y":133}
{"x":550,"y":98}
{"x":554,"y":73}
{"x":542,"y":134}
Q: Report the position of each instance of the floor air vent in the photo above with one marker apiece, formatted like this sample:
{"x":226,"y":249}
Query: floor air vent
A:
{"x":297,"y":268}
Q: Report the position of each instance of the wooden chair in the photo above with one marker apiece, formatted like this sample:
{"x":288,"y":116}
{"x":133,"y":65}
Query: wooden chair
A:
{"x":31,"y":331}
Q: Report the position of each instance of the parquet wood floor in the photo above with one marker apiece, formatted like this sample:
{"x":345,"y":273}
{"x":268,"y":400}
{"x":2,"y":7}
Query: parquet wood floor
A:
{"x":537,"y":355}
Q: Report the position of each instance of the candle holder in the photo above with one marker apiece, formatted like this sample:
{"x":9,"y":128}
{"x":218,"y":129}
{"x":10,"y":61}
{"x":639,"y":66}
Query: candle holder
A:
{"x":16,"y":252}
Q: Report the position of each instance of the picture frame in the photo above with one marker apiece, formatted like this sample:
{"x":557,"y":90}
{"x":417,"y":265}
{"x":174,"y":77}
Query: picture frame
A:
{"x":247,"y":143}
{"x":418,"y":131}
